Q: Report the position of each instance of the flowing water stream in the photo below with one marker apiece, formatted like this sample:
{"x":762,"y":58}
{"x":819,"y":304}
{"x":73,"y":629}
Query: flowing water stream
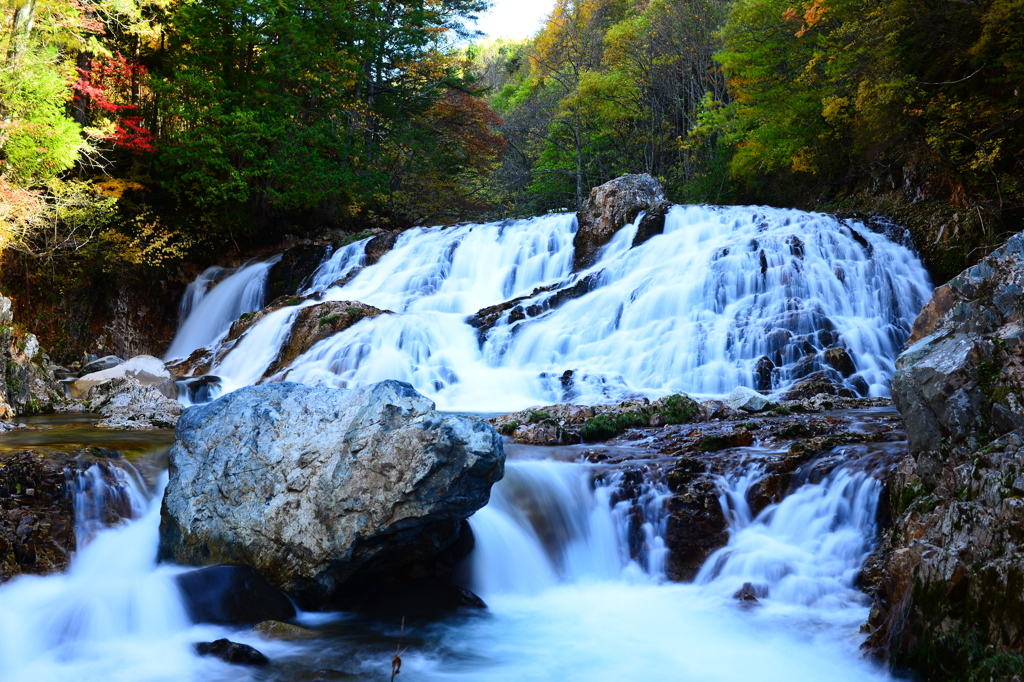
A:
{"x":690,"y":310}
{"x":552,"y":560}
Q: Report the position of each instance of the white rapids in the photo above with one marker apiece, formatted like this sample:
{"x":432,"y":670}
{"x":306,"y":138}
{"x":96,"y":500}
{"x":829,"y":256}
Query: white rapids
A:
{"x":568,"y":599}
{"x":691,"y":310}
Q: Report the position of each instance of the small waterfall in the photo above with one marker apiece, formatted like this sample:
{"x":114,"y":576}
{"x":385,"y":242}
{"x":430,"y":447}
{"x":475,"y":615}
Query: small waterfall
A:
{"x":807,"y":550}
{"x":196,"y":291}
{"x":211,"y":311}
{"x":112,"y":604}
{"x":691,"y":310}
{"x":338,"y":265}
{"x":105,"y":493}
{"x":549,"y":523}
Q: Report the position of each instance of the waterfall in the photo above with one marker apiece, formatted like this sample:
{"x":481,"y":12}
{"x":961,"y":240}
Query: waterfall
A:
{"x":111,"y":604}
{"x":691,"y":310}
{"x":549,"y":523}
{"x":806,"y":550}
{"x":210,"y":312}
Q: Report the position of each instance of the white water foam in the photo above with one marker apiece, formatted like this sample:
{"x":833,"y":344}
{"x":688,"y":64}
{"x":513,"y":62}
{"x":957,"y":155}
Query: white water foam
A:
{"x":691,"y":310}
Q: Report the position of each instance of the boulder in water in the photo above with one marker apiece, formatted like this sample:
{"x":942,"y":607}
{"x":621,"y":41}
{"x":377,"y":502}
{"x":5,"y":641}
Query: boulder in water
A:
{"x":285,"y":632}
{"x":130,"y":406}
{"x":315,"y":486}
{"x":610,"y":207}
{"x":232,"y":595}
{"x":839,"y":360}
{"x":818,"y":383}
{"x":231,"y":652}
{"x":747,"y":399}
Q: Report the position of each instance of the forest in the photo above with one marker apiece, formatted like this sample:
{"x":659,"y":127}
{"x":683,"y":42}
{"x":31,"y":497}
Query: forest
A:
{"x":139,"y":134}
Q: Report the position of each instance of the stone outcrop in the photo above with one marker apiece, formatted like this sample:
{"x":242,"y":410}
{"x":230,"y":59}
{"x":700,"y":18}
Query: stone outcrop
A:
{"x":316,"y":323}
{"x":948,"y":600}
{"x":314,"y":487}
{"x":610,"y":207}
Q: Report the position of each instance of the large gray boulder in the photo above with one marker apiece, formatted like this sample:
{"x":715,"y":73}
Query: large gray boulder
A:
{"x":612,"y":206}
{"x":313,"y":487}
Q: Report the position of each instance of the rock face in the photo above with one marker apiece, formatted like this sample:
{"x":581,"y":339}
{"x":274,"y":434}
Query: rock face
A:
{"x":27,"y":385}
{"x":610,"y":207}
{"x":949,"y":600}
{"x":314,"y":486}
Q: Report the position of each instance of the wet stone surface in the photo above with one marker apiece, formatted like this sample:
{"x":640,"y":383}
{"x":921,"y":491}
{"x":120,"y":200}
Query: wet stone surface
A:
{"x":791,"y":444}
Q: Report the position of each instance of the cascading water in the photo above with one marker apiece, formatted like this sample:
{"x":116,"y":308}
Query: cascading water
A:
{"x":552,"y":559}
{"x":570,"y":571}
{"x":690,"y":310}
{"x":210,"y":312}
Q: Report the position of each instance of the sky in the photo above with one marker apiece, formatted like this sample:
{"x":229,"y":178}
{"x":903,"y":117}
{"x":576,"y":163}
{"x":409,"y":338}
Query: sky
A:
{"x":514,"y":18}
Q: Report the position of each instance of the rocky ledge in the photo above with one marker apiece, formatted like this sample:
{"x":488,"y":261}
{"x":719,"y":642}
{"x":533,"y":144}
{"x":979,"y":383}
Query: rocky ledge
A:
{"x":950,"y":603}
{"x":318,"y":487}
{"x":688,"y":447}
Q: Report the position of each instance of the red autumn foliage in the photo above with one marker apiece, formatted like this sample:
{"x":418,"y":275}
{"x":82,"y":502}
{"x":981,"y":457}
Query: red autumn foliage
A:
{"x":104,"y":80}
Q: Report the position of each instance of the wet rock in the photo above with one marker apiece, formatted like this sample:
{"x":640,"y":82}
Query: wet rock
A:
{"x":817,"y":384}
{"x":610,"y":207}
{"x":316,"y":323}
{"x":232,"y":595}
{"x":315,"y":486}
{"x":285,"y":632}
{"x":652,"y":224}
{"x":292,"y":272}
{"x":716,"y":409}
{"x":763,"y":374}
{"x":203,"y":389}
{"x":747,"y":400}
{"x":231,"y":652}
{"x":749,"y":593}
{"x":541,"y":300}
{"x":100,"y":364}
{"x":144,"y":369}
{"x":839,"y":360}
{"x":379,"y":246}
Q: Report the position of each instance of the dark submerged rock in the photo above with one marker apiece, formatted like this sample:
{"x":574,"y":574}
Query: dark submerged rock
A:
{"x":232,"y":595}
{"x":231,"y":652}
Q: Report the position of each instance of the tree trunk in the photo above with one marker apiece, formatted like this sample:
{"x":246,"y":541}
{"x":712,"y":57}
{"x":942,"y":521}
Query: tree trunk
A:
{"x":21,"y":29}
